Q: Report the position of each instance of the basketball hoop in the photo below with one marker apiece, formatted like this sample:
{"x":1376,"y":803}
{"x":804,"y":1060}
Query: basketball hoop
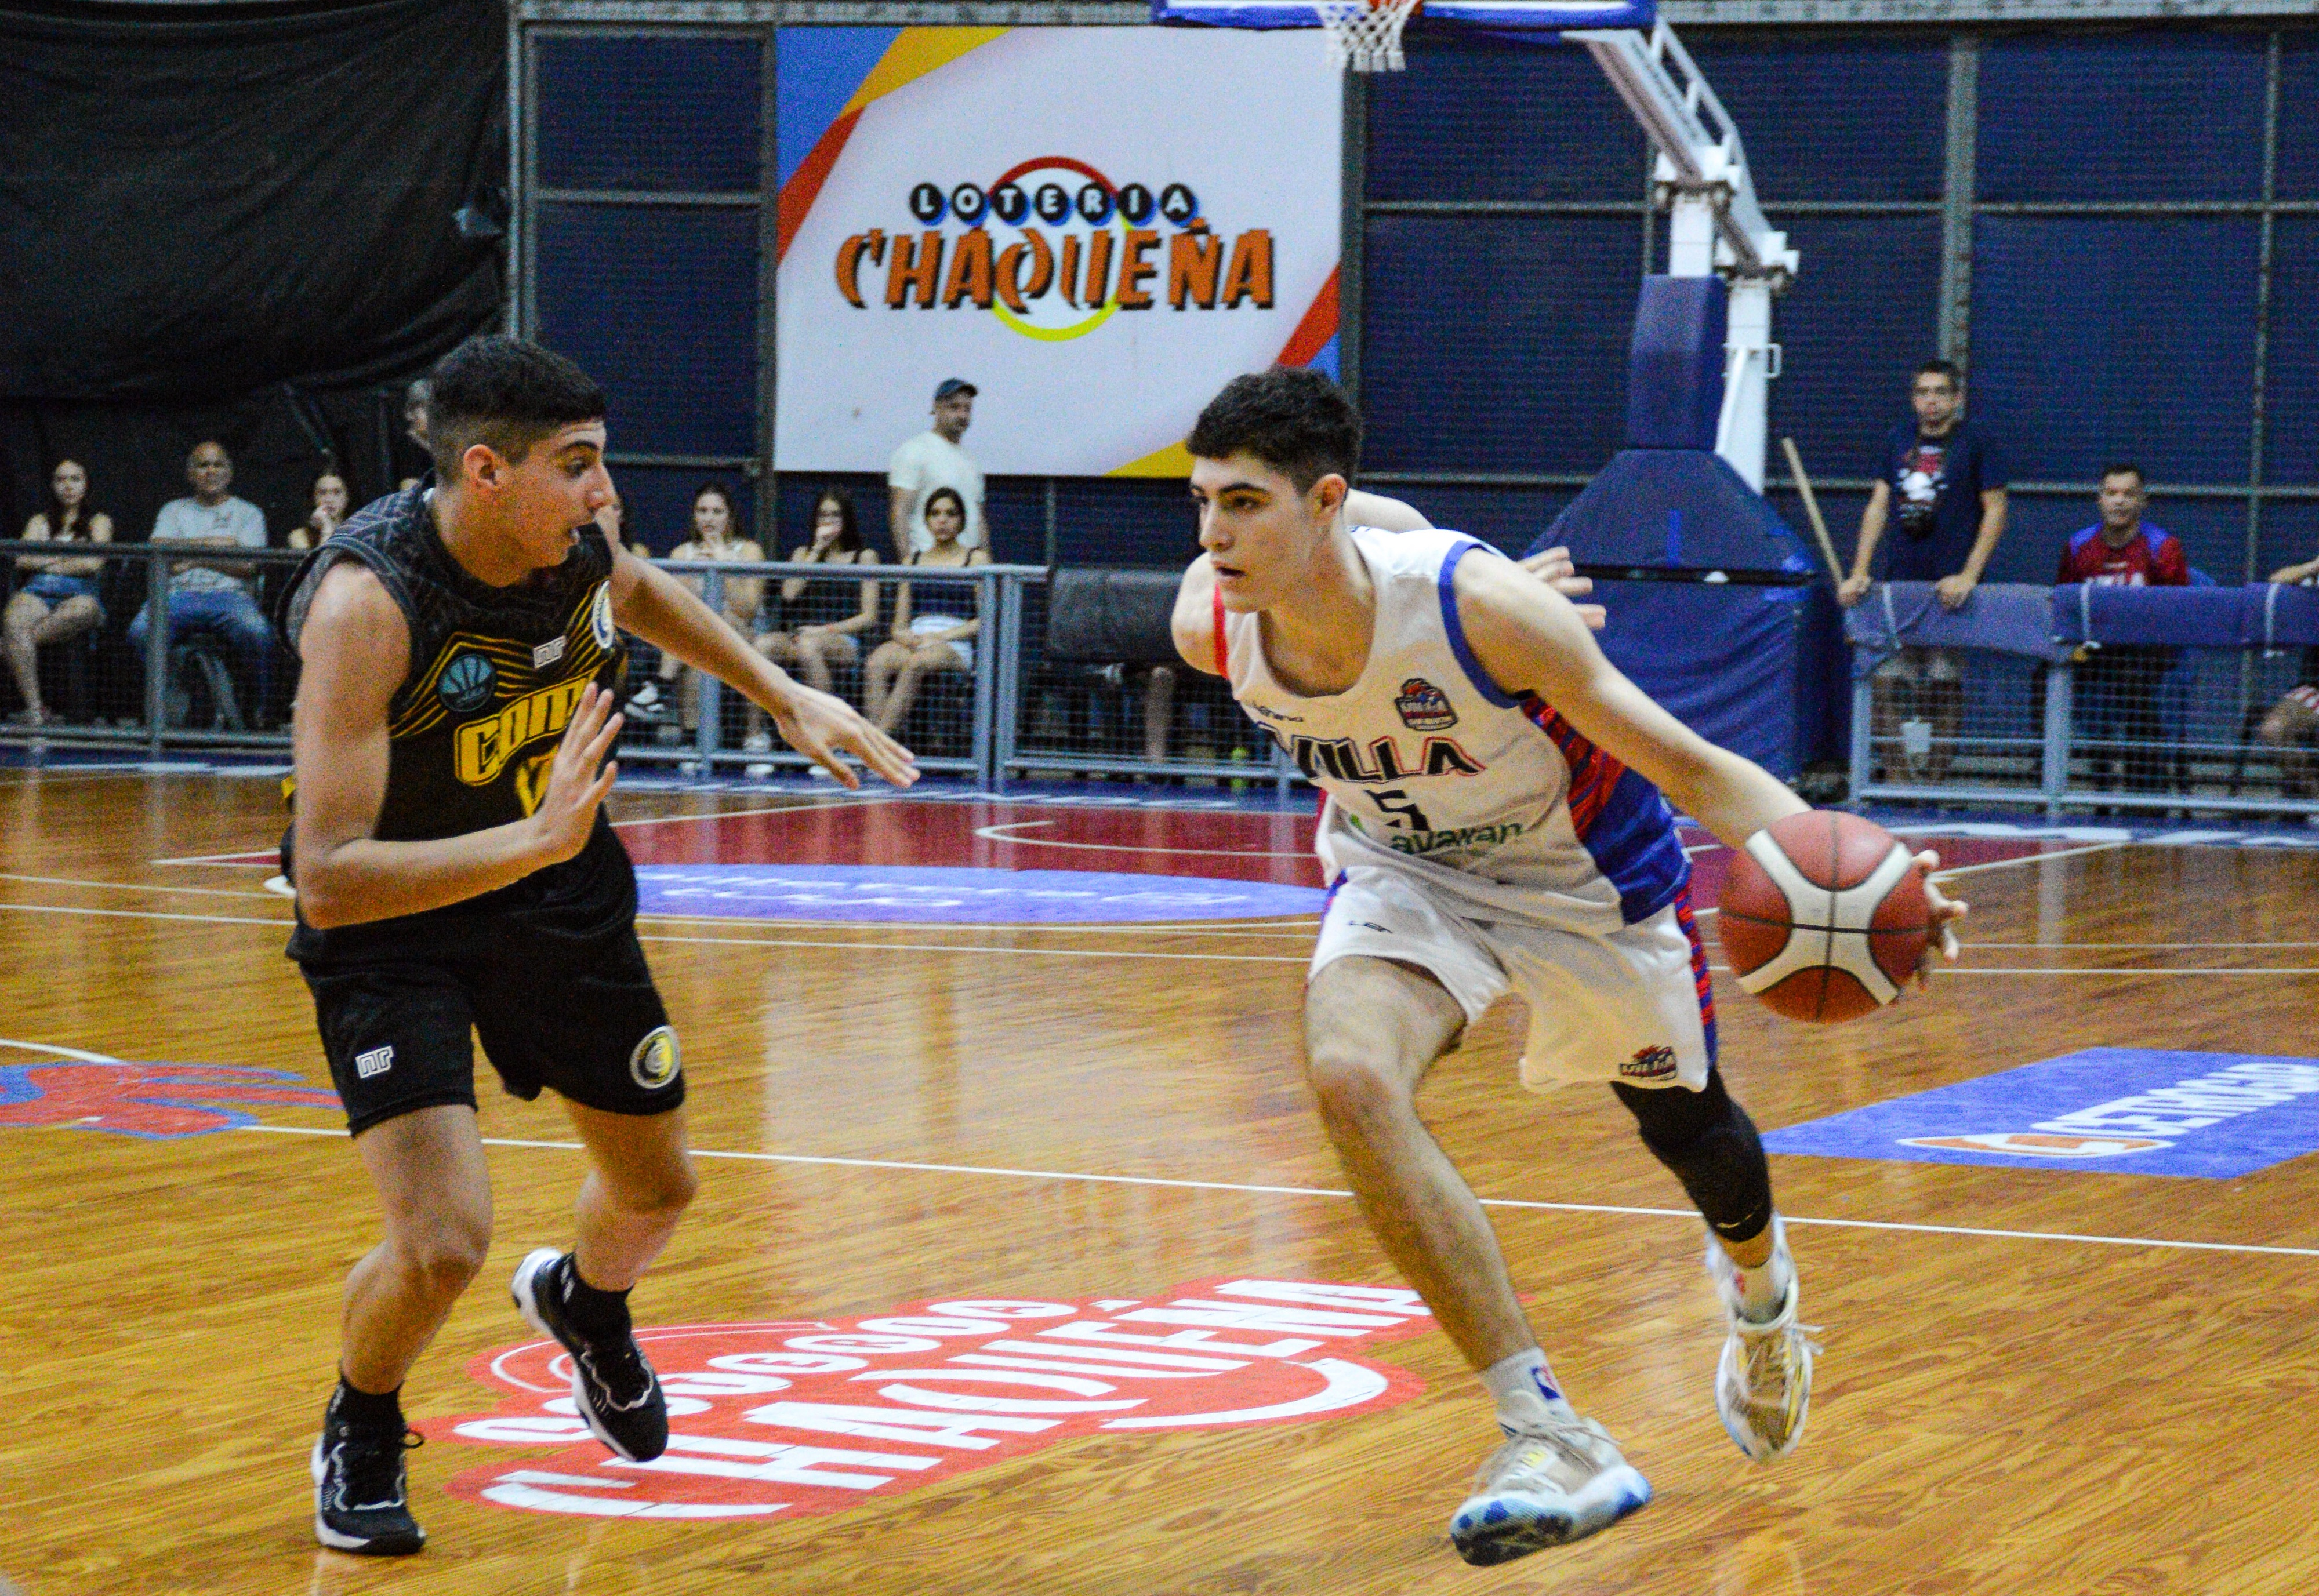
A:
{"x":1364,"y":35}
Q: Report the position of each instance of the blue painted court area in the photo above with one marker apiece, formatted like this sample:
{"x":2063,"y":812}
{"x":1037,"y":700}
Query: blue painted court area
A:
{"x":952,"y":894}
{"x":2121,"y":1110}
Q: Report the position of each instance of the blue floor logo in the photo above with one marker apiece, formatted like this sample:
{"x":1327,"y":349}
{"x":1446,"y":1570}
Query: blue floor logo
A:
{"x":950,"y":893}
{"x":2129,"y":1111}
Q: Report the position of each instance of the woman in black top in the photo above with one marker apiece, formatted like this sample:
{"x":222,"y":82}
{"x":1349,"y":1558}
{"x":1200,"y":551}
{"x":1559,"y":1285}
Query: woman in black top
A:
{"x":818,"y":623}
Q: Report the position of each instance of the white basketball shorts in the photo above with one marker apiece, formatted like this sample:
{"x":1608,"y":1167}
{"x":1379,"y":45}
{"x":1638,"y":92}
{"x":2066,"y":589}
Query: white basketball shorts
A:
{"x":1634,"y":1005}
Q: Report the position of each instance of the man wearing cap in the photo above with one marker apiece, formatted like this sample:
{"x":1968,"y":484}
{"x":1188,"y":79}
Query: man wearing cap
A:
{"x":934,"y":460}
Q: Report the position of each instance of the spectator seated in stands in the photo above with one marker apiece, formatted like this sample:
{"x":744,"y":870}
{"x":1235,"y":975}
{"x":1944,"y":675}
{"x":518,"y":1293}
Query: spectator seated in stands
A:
{"x":2119,"y":686}
{"x":927,"y":642}
{"x":210,"y":595}
{"x":329,"y":514}
{"x":712,"y":539}
{"x":2292,"y":724}
{"x":825,"y":620}
{"x":56,"y":595}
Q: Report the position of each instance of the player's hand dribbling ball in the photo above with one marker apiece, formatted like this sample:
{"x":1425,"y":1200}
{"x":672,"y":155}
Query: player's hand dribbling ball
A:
{"x":1826,"y":915}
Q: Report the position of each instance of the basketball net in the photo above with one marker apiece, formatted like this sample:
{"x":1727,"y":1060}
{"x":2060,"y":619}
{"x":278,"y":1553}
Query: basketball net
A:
{"x":1365,"y":37}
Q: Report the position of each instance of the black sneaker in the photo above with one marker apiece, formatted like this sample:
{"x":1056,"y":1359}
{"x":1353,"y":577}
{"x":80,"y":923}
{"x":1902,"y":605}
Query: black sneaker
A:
{"x":612,"y":1382}
{"x":360,"y":1503}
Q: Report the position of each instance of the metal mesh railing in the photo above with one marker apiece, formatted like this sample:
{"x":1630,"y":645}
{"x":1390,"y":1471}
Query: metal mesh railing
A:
{"x":2136,"y":701}
{"x":963,"y":679}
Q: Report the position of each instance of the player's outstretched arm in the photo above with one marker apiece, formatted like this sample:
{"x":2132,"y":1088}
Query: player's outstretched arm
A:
{"x":665,"y":613}
{"x":356,"y":647}
{"x":1531,"y":639}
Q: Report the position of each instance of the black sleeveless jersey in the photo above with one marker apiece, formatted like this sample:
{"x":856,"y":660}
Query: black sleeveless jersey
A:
{"x":495,"y":672}
{"x":494,"y":676}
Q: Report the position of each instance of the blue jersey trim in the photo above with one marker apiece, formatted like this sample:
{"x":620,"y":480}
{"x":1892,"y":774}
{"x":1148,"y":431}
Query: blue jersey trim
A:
{"x":1636,"y":846}
{"x":1456,"y":629}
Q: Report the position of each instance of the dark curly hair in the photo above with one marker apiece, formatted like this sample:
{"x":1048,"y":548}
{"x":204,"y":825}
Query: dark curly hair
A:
{"x":1294,"y":418}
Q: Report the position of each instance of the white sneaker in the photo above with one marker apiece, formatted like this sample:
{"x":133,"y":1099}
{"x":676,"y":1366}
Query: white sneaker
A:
{"x":1546,"y":1487}
{"x":1762,"y":1383}
{"x":758,"y":769}
{"x":757,"y":742}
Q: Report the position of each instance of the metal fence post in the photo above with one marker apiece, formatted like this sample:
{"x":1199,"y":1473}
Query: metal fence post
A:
{"x":987,"y":666}
{"x":156,"y":650}
{"x":1864,"y":715}
{"x":1007,"y":651}
{"x":2059,"y":681}
{"x":710,"y":690}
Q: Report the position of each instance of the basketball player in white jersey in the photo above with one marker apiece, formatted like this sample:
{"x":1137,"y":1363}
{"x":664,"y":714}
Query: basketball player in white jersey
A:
{"x":1494,"y":823}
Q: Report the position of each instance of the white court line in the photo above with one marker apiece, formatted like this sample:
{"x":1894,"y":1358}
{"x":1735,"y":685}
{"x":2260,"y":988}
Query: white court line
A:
{"x":2000,"y":864}
{"x":766,"y":941}
{"x":133,"y":886}
{"x":1329,"y":1191}
{"x":993,"y":833}
{"x":44,"y":908}
{"x":244,"y":857}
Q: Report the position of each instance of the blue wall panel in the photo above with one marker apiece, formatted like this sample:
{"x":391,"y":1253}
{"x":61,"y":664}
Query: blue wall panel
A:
{"x":1497,"y":344}
{"x":1841,"y":118}
{"x":1500,"y":121}
{"x":2299,"y":117}
{"x":2142,"y":116}
{"x":660,"y":305}
{"x":626,"y":110}
{"x":1863,"y":314}
{"x":2101,"y":338}
{"x":2291,"y":366}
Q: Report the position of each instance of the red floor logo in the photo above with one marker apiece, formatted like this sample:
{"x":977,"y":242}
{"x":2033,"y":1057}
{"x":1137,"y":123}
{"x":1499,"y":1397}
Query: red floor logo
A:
{"x":158,"y":1102}
{"x":809,"y":1417}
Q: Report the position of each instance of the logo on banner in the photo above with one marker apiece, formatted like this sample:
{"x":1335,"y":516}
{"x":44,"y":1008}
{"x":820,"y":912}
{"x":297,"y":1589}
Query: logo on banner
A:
{"x":802,"y":1417}
{"x":1053,"y":248}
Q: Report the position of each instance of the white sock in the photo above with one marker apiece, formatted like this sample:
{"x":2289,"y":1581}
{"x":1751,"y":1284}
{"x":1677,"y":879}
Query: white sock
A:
{"x":1763,"y":1290}
{"x":1524,"y":1390}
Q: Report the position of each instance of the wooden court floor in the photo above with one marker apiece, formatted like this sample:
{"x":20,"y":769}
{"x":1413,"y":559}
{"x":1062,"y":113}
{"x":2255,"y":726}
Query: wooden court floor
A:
{"x":2035,"y":1380}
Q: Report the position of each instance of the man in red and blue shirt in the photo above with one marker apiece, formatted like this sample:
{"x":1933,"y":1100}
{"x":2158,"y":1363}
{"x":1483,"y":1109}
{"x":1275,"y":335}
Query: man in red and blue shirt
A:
{"x":2118,"y":685}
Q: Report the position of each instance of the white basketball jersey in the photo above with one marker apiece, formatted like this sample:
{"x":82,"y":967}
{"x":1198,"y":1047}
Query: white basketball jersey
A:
{"x":1432,"y":769}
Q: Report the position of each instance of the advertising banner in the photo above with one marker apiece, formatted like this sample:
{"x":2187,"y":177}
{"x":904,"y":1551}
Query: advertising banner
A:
{"x":1095,"y":226}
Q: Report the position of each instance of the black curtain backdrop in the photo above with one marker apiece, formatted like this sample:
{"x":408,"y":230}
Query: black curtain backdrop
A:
{"x":237,"y":222}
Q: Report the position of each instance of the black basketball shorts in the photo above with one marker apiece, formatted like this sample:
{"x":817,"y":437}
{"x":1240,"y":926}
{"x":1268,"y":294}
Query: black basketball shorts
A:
{"x":579,"y":1016}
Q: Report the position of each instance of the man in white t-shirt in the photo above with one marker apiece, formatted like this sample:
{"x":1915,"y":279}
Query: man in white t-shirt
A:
{"x":934,"y":460}
{"x":209,"y":593}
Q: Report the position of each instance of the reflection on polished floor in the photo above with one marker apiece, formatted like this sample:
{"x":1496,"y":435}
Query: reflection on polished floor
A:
{"x":1054,"y":1190}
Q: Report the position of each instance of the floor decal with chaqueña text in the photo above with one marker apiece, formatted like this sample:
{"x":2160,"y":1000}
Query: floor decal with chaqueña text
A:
{"x":807,"y":1417}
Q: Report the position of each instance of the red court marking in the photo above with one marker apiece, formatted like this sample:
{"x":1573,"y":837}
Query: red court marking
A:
{"x":1278,"y":846}
{"x":906,"y":833}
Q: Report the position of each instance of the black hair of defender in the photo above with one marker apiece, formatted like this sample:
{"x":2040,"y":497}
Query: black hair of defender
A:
{"x":505,"y":392}
{"x":1294,"y":418}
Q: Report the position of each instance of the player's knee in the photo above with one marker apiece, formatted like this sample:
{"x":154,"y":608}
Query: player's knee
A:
{"x":446,"y":1258}
{"x":1352,"y":1086}
{"x":667,"y":1189}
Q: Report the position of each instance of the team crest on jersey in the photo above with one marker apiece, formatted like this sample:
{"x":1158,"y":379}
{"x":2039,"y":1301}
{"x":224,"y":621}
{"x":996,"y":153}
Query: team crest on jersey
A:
{"x":656,"y":1062}
{"x":1424,"y":708}
{"x":1652,"y":1063}
{"x":599,"y":616}
{"x":466,"y":683}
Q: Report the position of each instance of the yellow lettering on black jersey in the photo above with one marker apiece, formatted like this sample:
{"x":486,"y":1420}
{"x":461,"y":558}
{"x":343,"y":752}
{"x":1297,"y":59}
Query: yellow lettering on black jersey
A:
{"x":481,"y":748}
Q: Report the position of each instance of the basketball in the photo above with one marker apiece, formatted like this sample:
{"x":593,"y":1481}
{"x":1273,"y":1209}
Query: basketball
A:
{"x":1824,"y":916}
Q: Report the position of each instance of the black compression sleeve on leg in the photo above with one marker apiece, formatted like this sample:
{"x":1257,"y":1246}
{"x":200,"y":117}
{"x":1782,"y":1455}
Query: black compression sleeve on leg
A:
{"x":1711,"y":1145}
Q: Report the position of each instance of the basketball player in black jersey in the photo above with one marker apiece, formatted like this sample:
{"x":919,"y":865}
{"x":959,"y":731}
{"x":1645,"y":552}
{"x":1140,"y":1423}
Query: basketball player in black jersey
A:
{"x":454,"y":870}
